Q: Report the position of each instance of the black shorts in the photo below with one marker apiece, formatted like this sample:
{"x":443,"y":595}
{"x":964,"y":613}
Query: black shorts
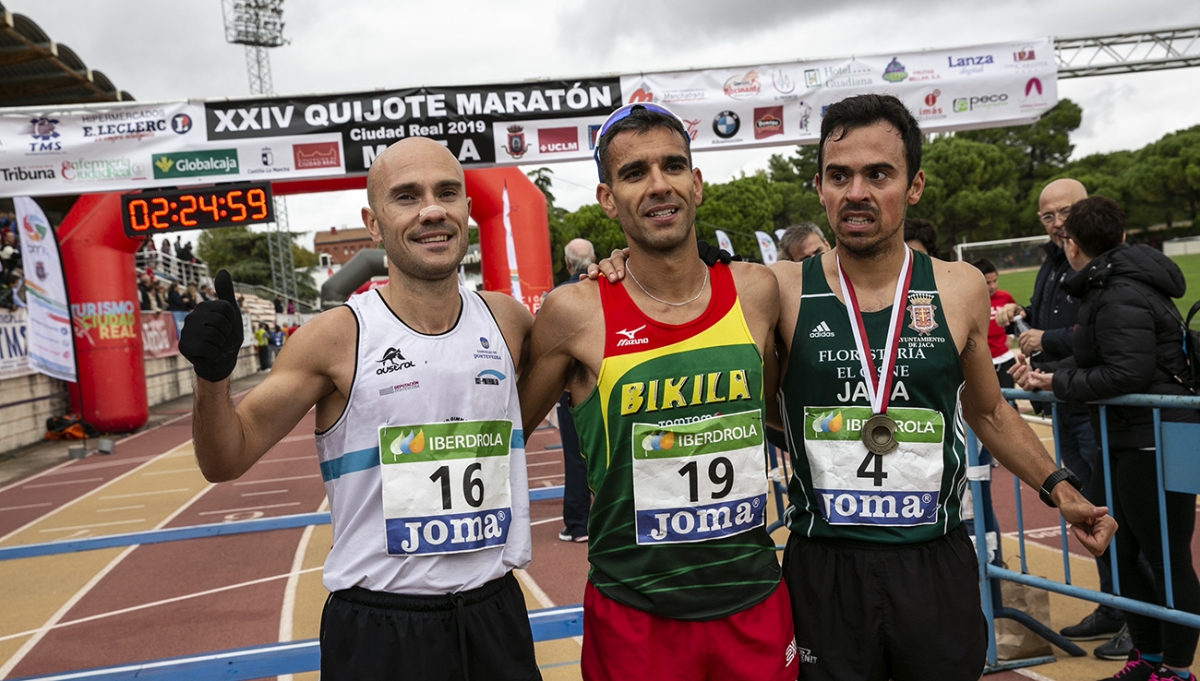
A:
{"x":367,"y":635}
{"x":873,"y":612}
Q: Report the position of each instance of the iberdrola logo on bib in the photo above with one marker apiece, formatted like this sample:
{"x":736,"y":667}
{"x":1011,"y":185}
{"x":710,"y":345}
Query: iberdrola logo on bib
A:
{"x":659,"y":441}
{"x":830,"y":423}
{"x":412,"y":443}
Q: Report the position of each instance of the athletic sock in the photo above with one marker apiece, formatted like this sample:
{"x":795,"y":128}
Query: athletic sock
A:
{"x":1153,"y":659}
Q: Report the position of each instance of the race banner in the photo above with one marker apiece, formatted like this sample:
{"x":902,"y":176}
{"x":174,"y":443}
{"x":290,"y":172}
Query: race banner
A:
{"x":766,"y":245}
{"x":14,"y":349}
{"x":51,"y":349}
{"x":71,"y":149}
{"x":159,"y":338}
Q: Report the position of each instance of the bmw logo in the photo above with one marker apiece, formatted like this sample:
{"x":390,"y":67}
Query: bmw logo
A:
{"x":726,"y":124}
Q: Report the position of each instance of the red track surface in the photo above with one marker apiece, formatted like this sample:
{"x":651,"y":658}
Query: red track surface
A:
{"x":285,"y":482}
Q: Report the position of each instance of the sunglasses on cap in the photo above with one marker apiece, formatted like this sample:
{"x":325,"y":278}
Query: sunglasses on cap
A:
{"x":620,"y":114}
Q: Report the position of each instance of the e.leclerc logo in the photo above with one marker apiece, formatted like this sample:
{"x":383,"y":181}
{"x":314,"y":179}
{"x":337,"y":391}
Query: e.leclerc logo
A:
{"x":196,"y":164}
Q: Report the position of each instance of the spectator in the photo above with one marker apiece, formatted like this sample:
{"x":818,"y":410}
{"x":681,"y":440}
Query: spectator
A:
{"x":577,"y":498}
{"x":192,"y":255}
{"x":278,"y":304}
{"x":178,"y":245}
{"x":10,"y":252}
{"x":1052,"y":314}
{"x":14,"y":293}
{"x":146,"y":293}
{"x":191,"y":297}
{"x":166,"y":246}
{"x":175,"y":302}
{"x":291,"y":307}
{"x":802,"y":241}
{"x":1002,"y":358}
{"x":263,"y":344}
{"x":1129,"y":340}
{"x":242,"y":304}
{"x":277,"y":337}
{"x":921,"y":235}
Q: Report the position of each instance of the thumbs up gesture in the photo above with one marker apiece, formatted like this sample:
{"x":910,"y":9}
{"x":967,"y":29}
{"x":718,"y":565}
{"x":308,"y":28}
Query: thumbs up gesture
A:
{"x":212,"y":333}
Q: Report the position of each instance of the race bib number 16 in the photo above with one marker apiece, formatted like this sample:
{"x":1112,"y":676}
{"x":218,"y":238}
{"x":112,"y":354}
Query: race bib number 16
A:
{"x":445,"y":486}
{"x":699,"y":481}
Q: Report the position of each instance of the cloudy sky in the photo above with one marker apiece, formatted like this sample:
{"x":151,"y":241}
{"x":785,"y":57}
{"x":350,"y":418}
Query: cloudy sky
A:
{"x":176,"y":50}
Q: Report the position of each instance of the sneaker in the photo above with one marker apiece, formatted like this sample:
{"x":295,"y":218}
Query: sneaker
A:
{"x":1165,"y":674}
{"x":1135,"y":669}
{"x":565,"y":535}
{"x":1097,"y":625}
{"x":1118,"y":647}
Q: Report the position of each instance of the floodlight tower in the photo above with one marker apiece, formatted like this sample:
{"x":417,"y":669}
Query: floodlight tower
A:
{"x":258,"y":25}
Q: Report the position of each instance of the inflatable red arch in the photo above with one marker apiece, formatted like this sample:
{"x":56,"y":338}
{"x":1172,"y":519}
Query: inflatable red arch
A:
{"x":98,"y":261}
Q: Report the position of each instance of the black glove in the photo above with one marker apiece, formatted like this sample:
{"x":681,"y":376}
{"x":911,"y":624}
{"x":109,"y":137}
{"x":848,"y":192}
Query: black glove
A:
{"x":711,"y":254}
{"x":212,"y":333}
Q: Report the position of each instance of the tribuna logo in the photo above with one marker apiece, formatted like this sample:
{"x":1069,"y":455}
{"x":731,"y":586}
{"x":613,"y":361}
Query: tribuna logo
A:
{"x":21,"y":174}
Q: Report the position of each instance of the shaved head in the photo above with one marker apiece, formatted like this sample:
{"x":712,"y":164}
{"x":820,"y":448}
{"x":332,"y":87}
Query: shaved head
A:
{"x":1055,"y":203}
{"x":409,"y":151}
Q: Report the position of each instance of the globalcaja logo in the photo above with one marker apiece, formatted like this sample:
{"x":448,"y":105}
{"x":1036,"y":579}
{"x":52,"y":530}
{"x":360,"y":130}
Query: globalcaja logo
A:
{"x":894,"y":73}
{"x":196,"y":164}
{"x":392,"y":361}
{"x":35,"y":228}
{"x":412,"y":442}
{"x":44,"y":131}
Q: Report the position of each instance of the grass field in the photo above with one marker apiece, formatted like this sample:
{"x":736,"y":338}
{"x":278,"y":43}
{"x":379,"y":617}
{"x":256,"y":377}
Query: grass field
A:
{"x":1020,"y":284}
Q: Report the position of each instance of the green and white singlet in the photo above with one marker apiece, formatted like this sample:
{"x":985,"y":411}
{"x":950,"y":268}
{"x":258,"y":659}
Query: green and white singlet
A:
{"x":838,"y":489}
{"x":673,"y":439}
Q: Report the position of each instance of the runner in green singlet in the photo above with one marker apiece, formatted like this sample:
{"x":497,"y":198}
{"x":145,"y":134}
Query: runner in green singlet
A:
{"x":883,"y":579}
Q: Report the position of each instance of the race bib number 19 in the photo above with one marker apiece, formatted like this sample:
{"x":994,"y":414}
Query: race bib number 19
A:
{"x":699,"y":481}
{"x":445,"y":486}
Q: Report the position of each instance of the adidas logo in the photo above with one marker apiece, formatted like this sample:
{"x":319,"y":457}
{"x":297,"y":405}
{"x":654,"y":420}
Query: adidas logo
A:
{"x":822,"y":331}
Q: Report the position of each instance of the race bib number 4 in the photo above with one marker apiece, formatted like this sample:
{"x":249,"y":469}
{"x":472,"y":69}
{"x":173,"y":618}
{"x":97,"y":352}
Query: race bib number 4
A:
{"x":445,"y":486}
{"x":699,"y":481}
{"x":855,"y":487}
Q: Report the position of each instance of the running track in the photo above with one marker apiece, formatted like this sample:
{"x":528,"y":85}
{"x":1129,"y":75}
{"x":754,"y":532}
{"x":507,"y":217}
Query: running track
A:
{"x":116,"y":606}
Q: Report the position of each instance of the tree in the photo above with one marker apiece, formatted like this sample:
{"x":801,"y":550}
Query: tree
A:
{"x":1039,"y":150}
{"x":739,"y":207}
{"x":970,"y":191}
{"x":247,"y":256}
{"x":542,"y":180}
{"x":590,"y":222}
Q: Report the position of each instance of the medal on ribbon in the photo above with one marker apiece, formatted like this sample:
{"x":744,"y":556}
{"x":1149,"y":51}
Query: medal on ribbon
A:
{"x":879,"y":431}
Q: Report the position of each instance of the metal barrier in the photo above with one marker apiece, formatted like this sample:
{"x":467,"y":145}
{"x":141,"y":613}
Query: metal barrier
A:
{"x":1178,"y":469}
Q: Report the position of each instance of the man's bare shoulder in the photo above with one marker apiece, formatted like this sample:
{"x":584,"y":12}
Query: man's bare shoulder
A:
{"x":326,"y":336}
{"x":757,"y":286}
{"x":577,"y":301}
{"x":959,"y":282}
{"x":509,"y":313}
{"x":790,"y":276}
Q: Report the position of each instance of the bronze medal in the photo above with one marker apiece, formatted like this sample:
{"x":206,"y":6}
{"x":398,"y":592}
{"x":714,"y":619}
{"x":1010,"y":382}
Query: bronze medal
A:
{"x":879,"y":434}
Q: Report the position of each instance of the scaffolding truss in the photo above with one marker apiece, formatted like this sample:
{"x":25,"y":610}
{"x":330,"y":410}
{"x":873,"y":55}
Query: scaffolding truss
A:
{"x":1127,"y":52}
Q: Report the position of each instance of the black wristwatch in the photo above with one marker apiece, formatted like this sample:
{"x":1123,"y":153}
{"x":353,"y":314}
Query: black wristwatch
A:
{"x":1054,"y":478}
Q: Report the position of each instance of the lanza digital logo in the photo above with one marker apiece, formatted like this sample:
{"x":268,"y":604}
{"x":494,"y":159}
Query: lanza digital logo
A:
{"x":392,"y":361}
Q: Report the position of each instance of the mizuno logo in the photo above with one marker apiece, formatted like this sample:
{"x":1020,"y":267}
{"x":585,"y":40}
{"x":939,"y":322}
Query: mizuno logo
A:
{"x":822,"y":330}
{"x":629,"y":338}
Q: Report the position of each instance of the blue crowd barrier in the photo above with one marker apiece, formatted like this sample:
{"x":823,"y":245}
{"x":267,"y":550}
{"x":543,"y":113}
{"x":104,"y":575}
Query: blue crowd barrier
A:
{"x":1178,"y":468}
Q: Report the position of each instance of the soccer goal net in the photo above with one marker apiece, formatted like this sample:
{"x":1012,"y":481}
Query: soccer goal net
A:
{"x":1006,"y":254}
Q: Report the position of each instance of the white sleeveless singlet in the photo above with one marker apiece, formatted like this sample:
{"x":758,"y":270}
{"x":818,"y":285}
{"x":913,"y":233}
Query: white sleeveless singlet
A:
{"x":425,"y":468}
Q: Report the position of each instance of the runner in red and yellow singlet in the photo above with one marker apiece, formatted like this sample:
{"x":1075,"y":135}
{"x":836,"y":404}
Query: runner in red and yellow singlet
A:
{"x":666,"y":374}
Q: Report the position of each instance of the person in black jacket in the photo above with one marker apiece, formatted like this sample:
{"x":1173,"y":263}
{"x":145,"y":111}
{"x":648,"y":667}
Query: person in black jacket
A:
{"x":1129,"y":341}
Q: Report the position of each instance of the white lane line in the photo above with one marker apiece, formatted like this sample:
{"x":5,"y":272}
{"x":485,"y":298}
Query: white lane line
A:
{"x":287,"y":615}
{"x":64,"y":482}
{"x":308,"y":457}
{"x":145,"y":494}
{"x":18,"y":508}
{"x":250,"y":508}
{"x":540,"y":596}
{"x":547,"y":477}
{"x":119,"y":508}
{"x":91,"y":467}
{"x":35,"y":476}
{"x":81,"y":497}
{"x":259,"y":494}
{"x":135,"y":608}
{"x":543,"y":521}
{"x":1032,"y":675}
{"x":51,"y":623}
{"x":542,"y":463}
{"x":88,"y":527}
{"x":173,"y":471}
{"x":297,"y":438}
{"x":267,"y":482}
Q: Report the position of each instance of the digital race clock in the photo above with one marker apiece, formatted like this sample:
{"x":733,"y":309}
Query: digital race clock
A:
{"x":175,"y":210}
